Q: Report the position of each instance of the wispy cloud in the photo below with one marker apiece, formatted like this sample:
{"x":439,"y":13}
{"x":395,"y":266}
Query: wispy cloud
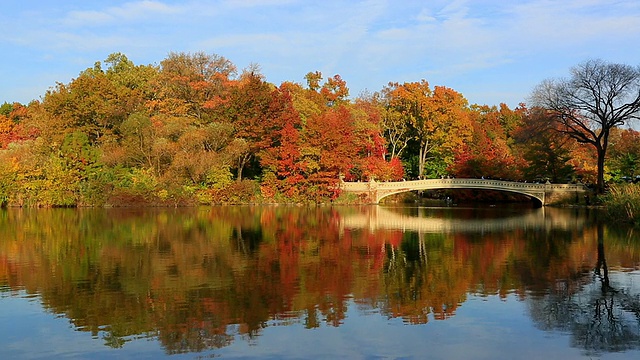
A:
{"x":128,"y":12}
{"x":243,"y":40}
{"x":370,"y":42}
{"x":257,"y":3}
{"x":568,"y":23}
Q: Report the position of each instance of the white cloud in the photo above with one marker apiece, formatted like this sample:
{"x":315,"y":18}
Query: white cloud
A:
{"x":256,"y":3}
{"x":565,"y":24}
{"x":81,"y":18}
{"x":426,"y":16}
{"x":456,"y":9}
{"x":128,"y":12}
{"x":372,"y":42}
{"x":262,"y":41}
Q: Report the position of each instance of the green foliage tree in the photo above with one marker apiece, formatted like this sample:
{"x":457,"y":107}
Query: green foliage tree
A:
{"x":624,"y":157}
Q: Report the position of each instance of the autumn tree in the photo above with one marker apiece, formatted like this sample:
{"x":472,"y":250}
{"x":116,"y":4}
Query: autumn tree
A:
{"x":490,"y":153}
{"x":133,"y":84}
{"x":328,"y":150}
{"x":624,"y":158}
{"x":335,"y":91}
{"x":367,"y":125}
{"x":598,"y":97}
{"x":89,"y":103}
{"x":136,"y":147}
{"x":438,"y":118}
{"x":11,"y":115}
{"x":546,"y":151}
{"x":97,"y":101}
{"x":373,"y":160}
{"x":396,"y":129}
{"x":6,"y":123}
{"x":447,"y":127}
{"x":192,"y":85}
{"x":284,"y":170}
{"x":254,"y":115}
{"x":407,"y":101}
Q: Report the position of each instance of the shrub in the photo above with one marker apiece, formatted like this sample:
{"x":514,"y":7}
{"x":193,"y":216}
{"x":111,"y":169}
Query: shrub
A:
{"x":622,"y":203}
{"x":237,"y":192}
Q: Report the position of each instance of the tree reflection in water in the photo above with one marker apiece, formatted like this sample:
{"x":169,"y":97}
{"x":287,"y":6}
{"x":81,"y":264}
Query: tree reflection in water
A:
{"x":599,"y":315}
{"x":198,"y":279}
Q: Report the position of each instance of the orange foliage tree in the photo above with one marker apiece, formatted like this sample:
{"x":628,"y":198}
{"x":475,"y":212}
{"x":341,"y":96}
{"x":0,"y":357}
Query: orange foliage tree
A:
{"x":438,"y":120}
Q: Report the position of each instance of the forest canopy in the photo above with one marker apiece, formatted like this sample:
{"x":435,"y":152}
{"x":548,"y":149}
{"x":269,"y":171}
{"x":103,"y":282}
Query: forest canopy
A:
{"x":196,"y":130}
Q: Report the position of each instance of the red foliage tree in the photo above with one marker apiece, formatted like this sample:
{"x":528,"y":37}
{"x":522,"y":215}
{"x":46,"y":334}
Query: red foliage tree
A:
{"x":489,"y":153}
{"x":282,"y":160}
{"x":328,"y":150}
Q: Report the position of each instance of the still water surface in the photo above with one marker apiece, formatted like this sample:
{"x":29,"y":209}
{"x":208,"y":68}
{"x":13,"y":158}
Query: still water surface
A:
{"x":329,"y":282}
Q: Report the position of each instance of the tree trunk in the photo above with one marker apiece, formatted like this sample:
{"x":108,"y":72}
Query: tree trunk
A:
{"x":424,"y":150}
{"x":420,"y":164}
{"x":242,"y":161}
{"x":600,"y":181}
{"x":601,"y":266}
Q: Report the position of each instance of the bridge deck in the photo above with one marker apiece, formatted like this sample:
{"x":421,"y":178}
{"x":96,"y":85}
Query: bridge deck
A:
{"x":379,"y":190}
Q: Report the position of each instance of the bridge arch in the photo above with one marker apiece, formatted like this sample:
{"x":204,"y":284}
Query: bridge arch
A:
{"x":544,"y":193}
{"x":536,"y":197}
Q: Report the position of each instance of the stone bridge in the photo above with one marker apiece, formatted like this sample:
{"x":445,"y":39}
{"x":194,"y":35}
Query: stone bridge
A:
{"x":373,"y":191}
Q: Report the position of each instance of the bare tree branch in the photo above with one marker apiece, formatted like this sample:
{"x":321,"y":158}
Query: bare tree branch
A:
{"x":597,"y":97}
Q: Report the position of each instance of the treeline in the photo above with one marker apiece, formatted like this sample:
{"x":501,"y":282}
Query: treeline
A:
{"x":195,"y":130}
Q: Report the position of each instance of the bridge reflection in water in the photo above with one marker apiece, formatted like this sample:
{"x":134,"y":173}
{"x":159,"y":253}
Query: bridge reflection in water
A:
{"x":383,"y":218}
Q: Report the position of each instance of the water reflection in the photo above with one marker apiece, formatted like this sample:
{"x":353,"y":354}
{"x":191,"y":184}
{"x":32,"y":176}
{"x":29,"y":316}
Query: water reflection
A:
{"x":198,"y":279}
{"x":448,"y":220}
{"x":601,"y":315}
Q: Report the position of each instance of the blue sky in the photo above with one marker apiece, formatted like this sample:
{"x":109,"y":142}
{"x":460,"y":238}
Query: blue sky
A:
{"x":492,"y":51}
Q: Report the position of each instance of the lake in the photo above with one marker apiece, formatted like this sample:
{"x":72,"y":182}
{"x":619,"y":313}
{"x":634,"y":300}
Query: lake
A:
{"x":357,"y":282}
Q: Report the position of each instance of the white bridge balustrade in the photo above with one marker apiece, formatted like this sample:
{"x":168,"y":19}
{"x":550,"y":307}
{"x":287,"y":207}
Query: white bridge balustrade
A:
{"x":374,"y":191}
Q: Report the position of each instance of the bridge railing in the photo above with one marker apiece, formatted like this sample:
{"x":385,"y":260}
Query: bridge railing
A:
{"x":459,"y":183}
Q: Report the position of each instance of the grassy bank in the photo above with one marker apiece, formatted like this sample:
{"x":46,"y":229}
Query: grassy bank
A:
{"x":622,"y":203}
